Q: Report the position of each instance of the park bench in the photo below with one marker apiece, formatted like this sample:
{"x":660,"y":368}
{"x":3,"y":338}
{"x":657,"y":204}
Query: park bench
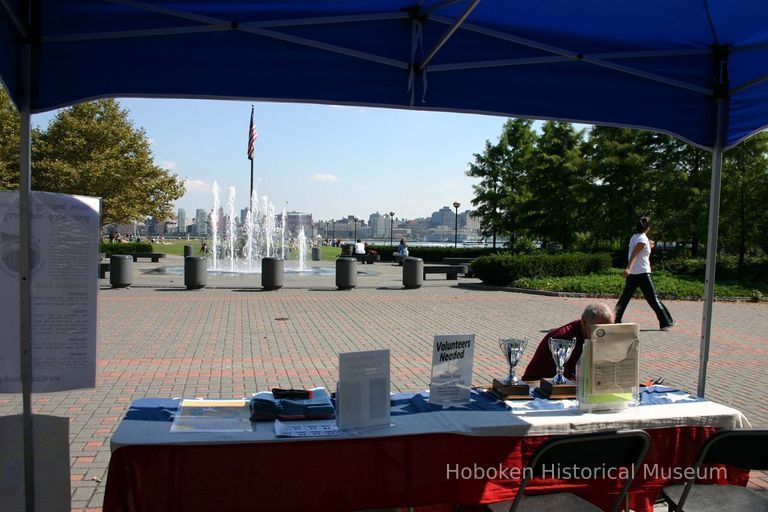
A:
{"x":103,"y":269}
{"x":461,"y":261}
{"x":155,"y":256}
{"x":398,"y":258}
{"x":362,"y":258}
{"x":451,"y":271}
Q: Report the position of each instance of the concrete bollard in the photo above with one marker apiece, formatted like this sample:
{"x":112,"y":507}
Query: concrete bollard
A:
{"x":346,"y":273}
{"x":315,"y":254}
{"x":187,"y":250}
{"x":413,"y":272}
{"x":120,"y":271}
{"x":195,"y":271}
{"x":272,"y":273}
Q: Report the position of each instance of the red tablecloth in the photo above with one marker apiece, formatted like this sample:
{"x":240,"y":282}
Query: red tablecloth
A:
{"x":360,"y":473}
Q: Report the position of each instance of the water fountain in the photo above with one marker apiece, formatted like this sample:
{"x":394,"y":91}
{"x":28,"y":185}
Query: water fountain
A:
{"x":239,"y":248}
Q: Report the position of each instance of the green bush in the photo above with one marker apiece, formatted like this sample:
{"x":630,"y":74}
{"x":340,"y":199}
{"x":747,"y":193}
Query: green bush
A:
{"x":434,"y":254}
{"x":727,"y":267}
{"x":611,"y":283}
{"x":503,"y":269}
{"x":124,"y":247}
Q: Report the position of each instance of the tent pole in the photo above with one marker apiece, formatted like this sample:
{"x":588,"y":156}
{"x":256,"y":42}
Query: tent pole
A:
{"x":714,"y":216}
{"x":25,"y":288}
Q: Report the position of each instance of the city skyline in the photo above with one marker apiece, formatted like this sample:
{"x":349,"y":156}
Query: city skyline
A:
{"x":442,"y":224}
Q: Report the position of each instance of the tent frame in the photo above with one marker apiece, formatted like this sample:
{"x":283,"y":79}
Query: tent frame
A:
{"x":23,"y":21}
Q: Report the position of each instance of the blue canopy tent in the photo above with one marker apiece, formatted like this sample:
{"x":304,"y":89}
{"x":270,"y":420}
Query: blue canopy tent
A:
{"x":696,"y":69}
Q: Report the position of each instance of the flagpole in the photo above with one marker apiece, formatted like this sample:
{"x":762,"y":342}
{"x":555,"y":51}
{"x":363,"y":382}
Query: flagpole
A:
{"x":250,"y":196}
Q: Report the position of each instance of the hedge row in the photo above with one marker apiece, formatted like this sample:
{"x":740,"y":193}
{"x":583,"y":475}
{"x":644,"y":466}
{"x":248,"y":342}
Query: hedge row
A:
{"x":434,"y":254}
{"x":124,"y":247}
{"x":727,"y":267}
{"x":503,"y":269}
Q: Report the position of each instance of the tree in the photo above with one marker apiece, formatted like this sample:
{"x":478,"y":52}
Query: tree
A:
{"x":92,"y":149}
{"x":9,"y":143}
{"x":744,"y":208}
{"x":488,"y":193}
{"x":621,"y":179}
{"x":682,"y":191}
{"x":517,"y":146}
{"x":502,"y":167}
{"x":557,"y":184}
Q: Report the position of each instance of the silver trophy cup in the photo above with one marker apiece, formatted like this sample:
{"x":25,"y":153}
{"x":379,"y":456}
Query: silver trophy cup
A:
{"x":561,"y":351}
{"x":512,"y":349}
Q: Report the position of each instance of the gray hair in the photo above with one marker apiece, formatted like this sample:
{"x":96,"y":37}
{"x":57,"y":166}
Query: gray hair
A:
{"x":596,"y":312}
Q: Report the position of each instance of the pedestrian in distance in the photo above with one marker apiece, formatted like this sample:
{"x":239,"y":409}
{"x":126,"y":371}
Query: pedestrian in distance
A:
{"x":638,"y":275}
{"x":402,"y":249}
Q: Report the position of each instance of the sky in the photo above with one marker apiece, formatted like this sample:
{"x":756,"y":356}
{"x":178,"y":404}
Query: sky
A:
{"x":331,"y":161}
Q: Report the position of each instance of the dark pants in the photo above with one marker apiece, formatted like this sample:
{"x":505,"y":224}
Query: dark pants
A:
{"x":645,"y":283}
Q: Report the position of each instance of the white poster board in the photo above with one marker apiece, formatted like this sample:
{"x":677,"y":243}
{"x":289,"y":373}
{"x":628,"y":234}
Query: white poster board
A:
{"x":362,"y":393}
{"x":64,"y":280}
{"x":50,"y":439}
{"x":452,"y":356}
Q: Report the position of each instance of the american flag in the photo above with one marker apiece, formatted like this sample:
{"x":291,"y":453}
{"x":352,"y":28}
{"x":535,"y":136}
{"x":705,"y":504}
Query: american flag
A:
{"x":252,"y":136}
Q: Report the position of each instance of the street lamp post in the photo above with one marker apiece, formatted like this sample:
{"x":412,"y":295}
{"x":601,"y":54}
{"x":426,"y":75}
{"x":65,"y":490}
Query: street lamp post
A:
{"x":456,"y":205}
{"x":333,"y":224}
{"x":391,"y":223}
{"x":355,"y":219}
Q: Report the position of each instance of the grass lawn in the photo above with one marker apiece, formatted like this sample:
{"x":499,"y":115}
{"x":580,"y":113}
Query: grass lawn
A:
{"x":668,"y":286}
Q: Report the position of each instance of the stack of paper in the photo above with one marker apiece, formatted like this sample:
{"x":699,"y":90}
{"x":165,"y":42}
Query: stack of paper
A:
{"x":264,"y":406}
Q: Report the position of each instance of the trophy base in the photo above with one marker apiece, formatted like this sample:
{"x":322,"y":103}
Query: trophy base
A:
{"x":511,"y":391}
{"x":548,"y":388}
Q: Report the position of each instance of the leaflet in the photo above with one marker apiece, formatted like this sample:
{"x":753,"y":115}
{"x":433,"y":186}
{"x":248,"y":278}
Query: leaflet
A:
{"x":615,"y":359}
{"x":452,"y":357}
{"x":213,"y":416}
{"x":64,"y":252}
{"x":362,"y":393}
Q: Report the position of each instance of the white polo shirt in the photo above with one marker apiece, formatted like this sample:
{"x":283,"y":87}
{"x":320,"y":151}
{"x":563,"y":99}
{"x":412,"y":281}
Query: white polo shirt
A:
{"x":642,"y":263}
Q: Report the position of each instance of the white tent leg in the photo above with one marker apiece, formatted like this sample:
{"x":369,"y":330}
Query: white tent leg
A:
{"x":714,"y":217}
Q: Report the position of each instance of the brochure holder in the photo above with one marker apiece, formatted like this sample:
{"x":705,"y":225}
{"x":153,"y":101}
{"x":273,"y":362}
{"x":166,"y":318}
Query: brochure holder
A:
{"x":608,"y":373}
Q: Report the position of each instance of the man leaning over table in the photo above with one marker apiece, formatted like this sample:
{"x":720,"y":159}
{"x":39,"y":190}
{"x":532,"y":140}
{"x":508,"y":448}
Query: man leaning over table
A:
{"x":542,"y":365}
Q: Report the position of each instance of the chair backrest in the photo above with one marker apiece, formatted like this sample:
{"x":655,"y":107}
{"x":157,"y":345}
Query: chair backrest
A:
{"x":747,"y":449}
{"x":624,"y":449}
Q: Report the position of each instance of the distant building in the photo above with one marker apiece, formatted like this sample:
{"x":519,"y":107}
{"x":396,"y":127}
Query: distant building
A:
{"x":201,"y":222}
{"x":223,"y":220}
{"x":294,"y":221}
{"x":445,"y":216}
{"x":181,"y":221}
{"x":472,"y":223}
{"x":155,"y":227}
{"x":379,"y":225}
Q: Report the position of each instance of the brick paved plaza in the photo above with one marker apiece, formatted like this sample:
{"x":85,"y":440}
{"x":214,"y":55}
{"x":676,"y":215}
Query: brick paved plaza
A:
{"x":228,"y":340}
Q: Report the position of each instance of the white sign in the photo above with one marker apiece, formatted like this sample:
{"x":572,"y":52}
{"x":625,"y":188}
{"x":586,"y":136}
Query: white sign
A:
{"x":50,"y":438}
{"x":362,"y":393}
{"x":64,"y":280}
{"x":452,"y":356}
